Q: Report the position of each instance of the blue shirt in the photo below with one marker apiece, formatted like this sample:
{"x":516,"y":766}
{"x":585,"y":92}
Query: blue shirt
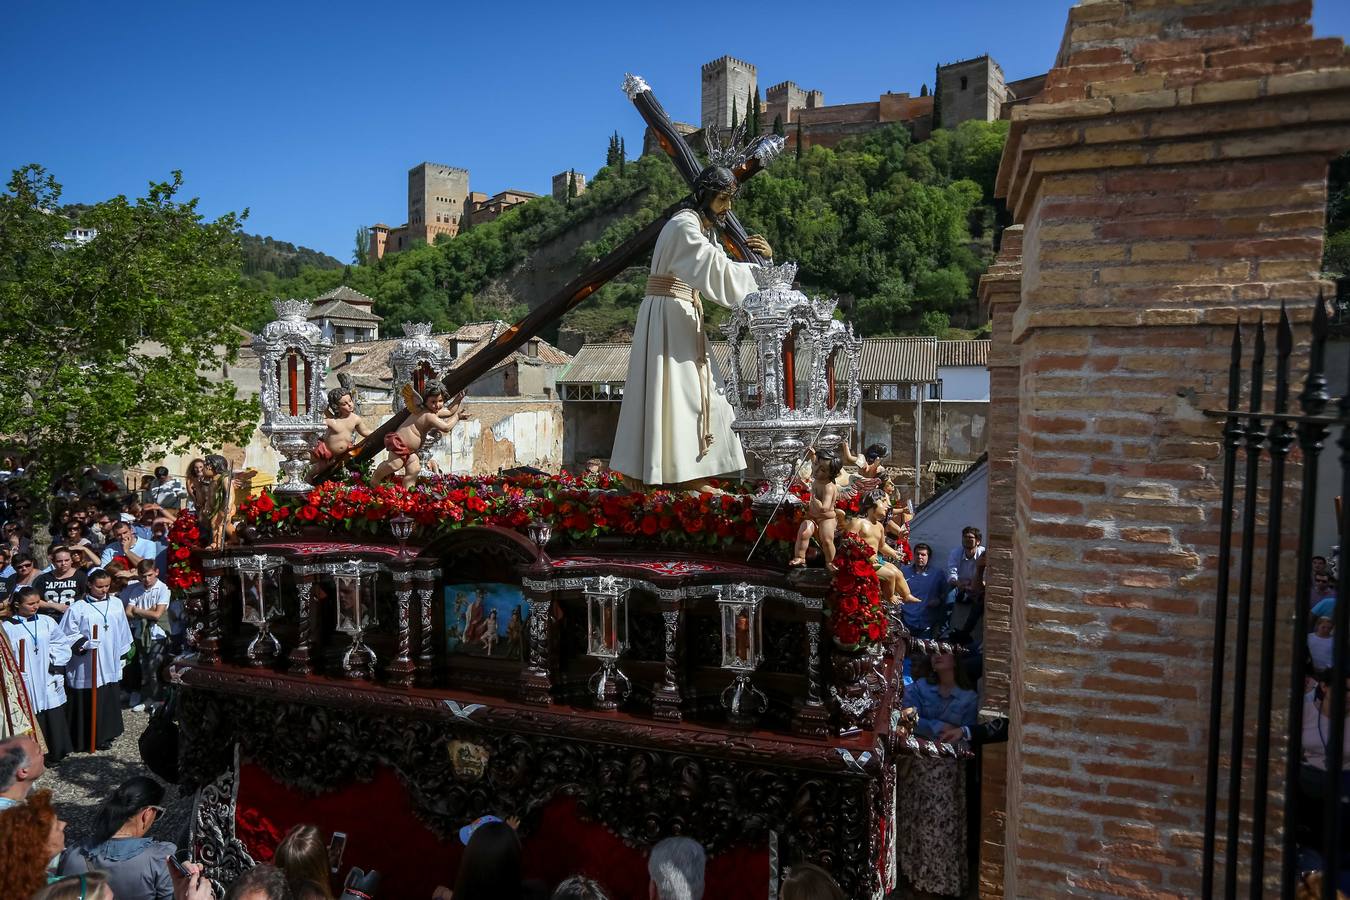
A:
{"x":143,"y":548}
{"x":1325,"y":607}
{"x":929,"y":586}
{"x":935,"y":711}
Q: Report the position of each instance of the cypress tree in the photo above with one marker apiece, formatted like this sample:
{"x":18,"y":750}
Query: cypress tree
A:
{"x":937,"y":98}
{"x":571,"y":186}
{"x":778,"y":125}
{"x":623,"y":155}
{"x":799,"y":138}
{"x":735,"y":118}
{"x":754,"y":113}
{"x":923,"y":91}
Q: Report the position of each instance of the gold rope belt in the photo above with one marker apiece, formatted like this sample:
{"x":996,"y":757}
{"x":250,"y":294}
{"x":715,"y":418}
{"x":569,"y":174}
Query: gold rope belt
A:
{"x":670,"y":286}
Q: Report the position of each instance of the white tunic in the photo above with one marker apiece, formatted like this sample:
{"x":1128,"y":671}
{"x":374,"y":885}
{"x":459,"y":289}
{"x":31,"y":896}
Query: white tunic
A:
{"x":114,"y":639}
{"x":657,"y":438}
{"x":44,"y":646}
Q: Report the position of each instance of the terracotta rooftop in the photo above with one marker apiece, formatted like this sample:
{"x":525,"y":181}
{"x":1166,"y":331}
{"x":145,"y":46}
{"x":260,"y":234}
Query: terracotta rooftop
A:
{"x":963,"y":353}
{"x":890,"y":360}
{"x":373,"y":356}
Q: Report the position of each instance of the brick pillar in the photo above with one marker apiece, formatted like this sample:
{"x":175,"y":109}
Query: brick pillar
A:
{"x":1171,"y":178}
{"x":1000,"y":292}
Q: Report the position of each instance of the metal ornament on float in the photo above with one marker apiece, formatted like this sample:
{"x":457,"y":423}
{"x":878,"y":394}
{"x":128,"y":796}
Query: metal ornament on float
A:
{"x":792,"y":378}
{"x":607,"y":638}
{"x":259,"y":592}
{"x":292,"y":368}
{"x":419,"y":359}
{"x":741,"y":607}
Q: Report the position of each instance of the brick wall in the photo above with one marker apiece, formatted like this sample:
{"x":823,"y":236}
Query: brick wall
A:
{"x":1171,"y":179}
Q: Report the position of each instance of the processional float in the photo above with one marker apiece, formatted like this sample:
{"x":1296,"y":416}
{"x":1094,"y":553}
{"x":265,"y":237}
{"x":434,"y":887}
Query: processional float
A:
{"x":700,"y":676}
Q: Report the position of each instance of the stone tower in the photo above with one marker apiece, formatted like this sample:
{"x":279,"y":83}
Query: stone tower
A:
{"x":727,"y":81}
{"x":971,"y":89}
{"x":436,"y":199}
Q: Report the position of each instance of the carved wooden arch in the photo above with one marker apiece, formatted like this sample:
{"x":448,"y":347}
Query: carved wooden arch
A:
{"x":495,"y":537}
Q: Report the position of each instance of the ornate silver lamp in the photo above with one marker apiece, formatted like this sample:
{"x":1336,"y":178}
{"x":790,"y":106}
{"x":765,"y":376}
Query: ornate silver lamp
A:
{"x":258,"y":589}
{"x":401,"y":526}
{"x":740,"y":606}
{"x":801,"y":391}
{"x":354,"y":605}
{"x":292,"y":365}
{"x":418,"y":359}
{"x":607,"y":638}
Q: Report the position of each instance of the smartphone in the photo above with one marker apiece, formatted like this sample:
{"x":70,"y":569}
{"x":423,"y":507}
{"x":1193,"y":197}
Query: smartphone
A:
{"x":335,"y":848}
{"x":178,"y":863}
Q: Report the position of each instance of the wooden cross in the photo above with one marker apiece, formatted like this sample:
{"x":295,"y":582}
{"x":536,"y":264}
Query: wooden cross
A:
{"x":761,"y":152}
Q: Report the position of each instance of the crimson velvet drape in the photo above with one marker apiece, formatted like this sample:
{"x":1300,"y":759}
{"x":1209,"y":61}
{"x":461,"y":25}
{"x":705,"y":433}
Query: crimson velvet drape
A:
{"x":384,"y":834}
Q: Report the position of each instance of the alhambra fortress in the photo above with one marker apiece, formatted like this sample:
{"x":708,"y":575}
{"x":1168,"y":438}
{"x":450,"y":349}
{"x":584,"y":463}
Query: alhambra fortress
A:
{"x":441,"y":203}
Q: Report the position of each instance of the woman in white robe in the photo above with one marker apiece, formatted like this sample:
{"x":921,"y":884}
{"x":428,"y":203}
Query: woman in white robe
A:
{"x":42,"y":652}
{"x":97,"y":608}
{"x":670,"y":431}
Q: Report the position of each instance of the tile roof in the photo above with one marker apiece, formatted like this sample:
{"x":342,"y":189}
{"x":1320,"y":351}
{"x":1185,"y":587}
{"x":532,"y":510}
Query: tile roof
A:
{"x":898,"y":359}
{"x":342,"y":292}
{"x":374,"y":358}
{"x":963,"y":353}
{"x":883,"y":360}
{"x":343,"y":311}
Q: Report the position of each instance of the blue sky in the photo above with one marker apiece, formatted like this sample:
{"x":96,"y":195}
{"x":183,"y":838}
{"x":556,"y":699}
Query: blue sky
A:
{"x":310,"y":114}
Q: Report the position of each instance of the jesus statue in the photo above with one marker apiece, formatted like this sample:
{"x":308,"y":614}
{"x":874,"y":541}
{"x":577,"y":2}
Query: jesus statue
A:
{"x":675,"y":421}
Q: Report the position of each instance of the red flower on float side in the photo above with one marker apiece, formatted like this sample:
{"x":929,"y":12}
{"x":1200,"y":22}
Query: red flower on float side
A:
{"x":857,"y":617}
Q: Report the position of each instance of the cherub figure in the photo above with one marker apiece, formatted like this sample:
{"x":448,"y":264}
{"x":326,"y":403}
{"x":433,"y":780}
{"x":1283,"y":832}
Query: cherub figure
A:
{"x":870,"y":528}
{"x":425,"y":414}
{"x":222,"y":485}
{"x":343,"y":423}
{"x":821,"y":520}
{"x":870,"y":473}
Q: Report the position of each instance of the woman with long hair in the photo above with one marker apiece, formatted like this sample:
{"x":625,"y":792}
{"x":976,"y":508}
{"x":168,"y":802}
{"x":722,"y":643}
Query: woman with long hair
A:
{"x":118,"y":844}
{"x":198,"y":485}
{"x":933,"y":791}
{"x":31,"y":834}
{"x":490,"y":867}
{"x":303,"y":856}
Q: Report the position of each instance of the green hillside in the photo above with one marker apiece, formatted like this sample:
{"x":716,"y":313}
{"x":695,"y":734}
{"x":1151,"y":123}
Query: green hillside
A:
{"x":899,"y":231}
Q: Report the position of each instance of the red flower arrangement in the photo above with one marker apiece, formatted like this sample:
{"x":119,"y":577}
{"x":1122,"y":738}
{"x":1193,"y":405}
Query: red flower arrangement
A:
{"x":184,"y":536}
{"x":580,"y":509}
{"x":857,"y":615}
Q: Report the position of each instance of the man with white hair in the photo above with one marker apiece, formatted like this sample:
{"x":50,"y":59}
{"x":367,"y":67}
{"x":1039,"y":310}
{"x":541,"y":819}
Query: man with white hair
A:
{"x":676,"y":869}
{"x":20,"y":766}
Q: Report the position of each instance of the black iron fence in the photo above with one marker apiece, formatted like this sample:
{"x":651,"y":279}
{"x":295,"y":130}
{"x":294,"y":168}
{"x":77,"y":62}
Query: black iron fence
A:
{"x":1258,"y":442}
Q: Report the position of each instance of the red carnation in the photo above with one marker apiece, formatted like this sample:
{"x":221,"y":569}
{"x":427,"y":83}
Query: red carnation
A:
{"x":862,"y":568}
{"x":264,"y":503}
{"x":309,"y":513}
{"x":848,"y":633}
{"x":876,"y":631}
{"x":650,"y":525}
{"x":181,"y":553}
{"x":848,"y":605}
{"x":280,"y":513}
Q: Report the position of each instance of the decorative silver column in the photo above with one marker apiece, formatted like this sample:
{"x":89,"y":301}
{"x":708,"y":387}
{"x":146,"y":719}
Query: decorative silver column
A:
{"x":804,"y":387}
{"x":292,"y":367}
{"x":419,"y":359}
{"x":402,"y":670}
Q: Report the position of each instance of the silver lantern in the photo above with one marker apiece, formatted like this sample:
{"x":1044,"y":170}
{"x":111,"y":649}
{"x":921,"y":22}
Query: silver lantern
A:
{"x":607,"y":638}
{"x":354,"y":608}
{"x":259,"y":590}
{"x":292,"y":365}
{"x":793,"y":378}
{"x":740,"y":607}
{"x":419,"y":359}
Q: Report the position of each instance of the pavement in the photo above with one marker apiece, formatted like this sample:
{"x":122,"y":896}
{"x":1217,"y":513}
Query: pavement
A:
{"x":82,"y":780}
